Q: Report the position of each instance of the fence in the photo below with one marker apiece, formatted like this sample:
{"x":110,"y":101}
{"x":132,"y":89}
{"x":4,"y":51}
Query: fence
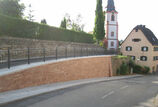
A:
{"x":13,"y":57}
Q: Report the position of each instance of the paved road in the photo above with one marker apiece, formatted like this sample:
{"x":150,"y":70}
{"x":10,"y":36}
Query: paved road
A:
{"x":136,"y":92}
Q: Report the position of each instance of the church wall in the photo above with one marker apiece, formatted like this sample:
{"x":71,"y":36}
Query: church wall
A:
{"x":115,"y":44}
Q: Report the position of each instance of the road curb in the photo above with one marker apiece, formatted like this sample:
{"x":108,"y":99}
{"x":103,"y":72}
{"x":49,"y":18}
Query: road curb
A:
{"x":25,"y":95}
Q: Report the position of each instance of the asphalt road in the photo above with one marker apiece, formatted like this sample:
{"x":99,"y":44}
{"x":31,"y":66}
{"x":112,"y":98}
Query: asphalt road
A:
{"x":136,"y":92}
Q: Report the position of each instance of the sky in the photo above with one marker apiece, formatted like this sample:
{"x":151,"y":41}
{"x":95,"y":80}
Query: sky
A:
{"x":130,"y":13}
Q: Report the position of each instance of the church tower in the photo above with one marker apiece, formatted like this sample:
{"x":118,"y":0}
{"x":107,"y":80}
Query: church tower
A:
{"x":111,"y":25}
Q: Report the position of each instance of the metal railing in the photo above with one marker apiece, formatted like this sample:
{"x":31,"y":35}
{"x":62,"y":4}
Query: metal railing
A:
{"x":13,"y":57}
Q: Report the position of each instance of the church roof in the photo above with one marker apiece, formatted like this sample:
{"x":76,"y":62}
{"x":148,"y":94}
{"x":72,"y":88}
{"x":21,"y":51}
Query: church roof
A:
{"x":148,"y":33}
{"x":111,"y":6}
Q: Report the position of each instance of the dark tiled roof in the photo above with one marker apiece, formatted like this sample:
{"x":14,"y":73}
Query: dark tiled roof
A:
{"x":148,"y":33}
{"x":111,"y":6}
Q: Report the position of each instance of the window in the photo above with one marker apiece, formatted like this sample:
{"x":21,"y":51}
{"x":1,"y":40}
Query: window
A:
{"x":133,"y":57}
{"x":128,"y":48}
{"x":112,"y":34}
{"x":145,"y":48}
{"x":136,"y":40}
{"x":112,"y":18}
{"x":143,"y":58}
{"x":155,"y":48}
{"x":136,"y":30}
{"x":112,"y":44}
{"x":155,"y":58}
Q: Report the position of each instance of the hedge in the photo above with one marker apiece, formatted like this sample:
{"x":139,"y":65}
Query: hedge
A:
{"x":25,"y":29}
{"x":123,"y":70}
{"x":141,"y":70}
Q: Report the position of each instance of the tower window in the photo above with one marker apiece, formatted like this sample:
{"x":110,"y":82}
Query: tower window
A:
{"x":112,"y":18}
{"x":112,"y":34}
{"x":112,"y":44}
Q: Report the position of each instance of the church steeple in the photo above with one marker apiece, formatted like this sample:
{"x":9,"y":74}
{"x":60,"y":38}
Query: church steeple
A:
{"x":111,"y":23}
{"x":111,"y":6}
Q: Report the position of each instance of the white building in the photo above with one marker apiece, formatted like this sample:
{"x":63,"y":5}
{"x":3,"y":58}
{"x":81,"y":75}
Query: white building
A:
{"x":111,"y":25}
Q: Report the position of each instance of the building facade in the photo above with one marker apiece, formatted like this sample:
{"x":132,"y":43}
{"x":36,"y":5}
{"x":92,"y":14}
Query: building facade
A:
{"x":142,"y":46}
{"x":111,"y":25}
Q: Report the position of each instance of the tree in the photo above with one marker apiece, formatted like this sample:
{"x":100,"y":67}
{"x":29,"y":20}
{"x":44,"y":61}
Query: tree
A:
{"x":63,"y":23}
{"x":43,"y":21}
{"x":120,"y":42}
{"x":99,"y":31}
{"x":75,"y":25}
{"x":30,"y":15}
{"x":12,"y":8}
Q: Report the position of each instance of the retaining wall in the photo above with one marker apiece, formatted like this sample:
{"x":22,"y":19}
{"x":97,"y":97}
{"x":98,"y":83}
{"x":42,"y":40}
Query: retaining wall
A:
{"x":76,"y":69}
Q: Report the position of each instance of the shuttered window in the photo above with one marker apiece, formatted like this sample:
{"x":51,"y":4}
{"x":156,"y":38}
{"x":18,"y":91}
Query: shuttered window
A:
{"x":145,"y":49}
{"x":128,"y":48}
{"x":143,"y":58}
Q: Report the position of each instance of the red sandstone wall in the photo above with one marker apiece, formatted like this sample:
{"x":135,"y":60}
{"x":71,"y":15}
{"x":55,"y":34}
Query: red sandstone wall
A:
{"x":57,"y":72}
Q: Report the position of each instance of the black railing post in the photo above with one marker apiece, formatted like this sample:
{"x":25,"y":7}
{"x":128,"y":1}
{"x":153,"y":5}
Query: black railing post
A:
{"x":66,"y":52}
{"x":9,"y":58}
{"x":44,"y":54}
{"x":95,"y":51}
{"x":81,"y":51}
{"x":74,"y":52}
{"x":87,"y":52}
{"x":56,"y":53}
{"x":28,"y":53}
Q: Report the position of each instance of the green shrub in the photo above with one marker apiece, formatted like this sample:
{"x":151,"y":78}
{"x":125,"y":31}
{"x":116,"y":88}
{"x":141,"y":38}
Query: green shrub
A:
{"x":141,"y":70}
{"x":137,"y":69}
{"x":131,"y":63}
{"x":146,"y":70}
{"x":118,"y":71}
{"x":25,"y":29}
{"x":123,"y":70}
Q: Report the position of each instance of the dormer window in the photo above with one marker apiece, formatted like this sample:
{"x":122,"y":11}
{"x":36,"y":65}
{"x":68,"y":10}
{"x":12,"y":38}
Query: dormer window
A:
{"x":136,"y":30}
{"x":155,"y":48}
{"x":112,"y":17}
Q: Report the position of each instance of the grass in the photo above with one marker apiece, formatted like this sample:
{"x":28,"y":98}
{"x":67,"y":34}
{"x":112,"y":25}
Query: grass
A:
{"x":121,"y":57}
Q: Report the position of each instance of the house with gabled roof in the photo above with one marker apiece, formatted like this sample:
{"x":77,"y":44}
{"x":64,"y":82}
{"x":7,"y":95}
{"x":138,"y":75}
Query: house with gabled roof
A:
{"x":142,"y":46}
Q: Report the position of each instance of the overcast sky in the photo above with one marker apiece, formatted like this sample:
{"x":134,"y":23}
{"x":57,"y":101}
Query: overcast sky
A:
{"x":131,"y":13}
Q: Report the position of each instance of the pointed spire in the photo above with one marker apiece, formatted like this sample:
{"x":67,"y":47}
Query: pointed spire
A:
{"x":111,"y":6}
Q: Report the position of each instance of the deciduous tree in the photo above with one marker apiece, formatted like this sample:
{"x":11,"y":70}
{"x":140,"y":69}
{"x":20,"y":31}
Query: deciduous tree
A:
{"x":43,"y":21}
{"x":12,"y":8}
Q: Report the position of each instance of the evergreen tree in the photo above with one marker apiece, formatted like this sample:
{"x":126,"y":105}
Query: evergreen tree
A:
{"x":99,"y":31}
{"x":12,"y":8}
{"x":63,"y":23}
{"x":43,"y":21}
